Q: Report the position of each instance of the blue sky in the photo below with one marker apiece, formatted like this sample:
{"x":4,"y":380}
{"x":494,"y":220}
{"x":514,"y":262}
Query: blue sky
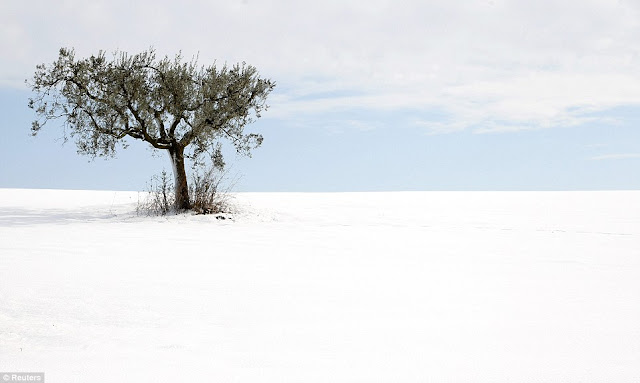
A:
{"x":371,"y":95}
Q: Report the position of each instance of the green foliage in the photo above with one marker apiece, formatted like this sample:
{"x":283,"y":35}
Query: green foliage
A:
{"x":166,"y":102}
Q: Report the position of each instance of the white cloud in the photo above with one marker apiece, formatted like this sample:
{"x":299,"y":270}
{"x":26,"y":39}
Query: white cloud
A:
{"x":488,"y":65}
{"x":619,"y":156}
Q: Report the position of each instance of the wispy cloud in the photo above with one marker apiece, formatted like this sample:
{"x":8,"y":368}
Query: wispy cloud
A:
{"x":620,"y":156}
{"x":492,"y":66}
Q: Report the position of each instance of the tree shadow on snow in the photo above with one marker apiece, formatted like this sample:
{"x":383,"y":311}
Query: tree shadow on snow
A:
{"x":10,"y":217}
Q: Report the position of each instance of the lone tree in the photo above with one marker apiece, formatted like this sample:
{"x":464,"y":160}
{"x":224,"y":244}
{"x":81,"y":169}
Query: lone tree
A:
{"x":173,"y":105}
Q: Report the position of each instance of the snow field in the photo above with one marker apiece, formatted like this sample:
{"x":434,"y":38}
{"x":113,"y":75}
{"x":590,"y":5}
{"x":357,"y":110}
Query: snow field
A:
{"x":345,"y":287}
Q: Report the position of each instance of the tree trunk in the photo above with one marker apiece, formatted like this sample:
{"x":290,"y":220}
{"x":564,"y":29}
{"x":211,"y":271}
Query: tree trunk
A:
{"x":180,"y":178}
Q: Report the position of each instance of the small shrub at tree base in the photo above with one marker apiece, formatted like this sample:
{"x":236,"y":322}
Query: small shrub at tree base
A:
{"x":207,"y":193}
{"x":160,"y":198}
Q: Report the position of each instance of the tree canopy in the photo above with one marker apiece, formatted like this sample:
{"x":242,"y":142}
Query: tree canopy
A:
{"x":171,"y":104}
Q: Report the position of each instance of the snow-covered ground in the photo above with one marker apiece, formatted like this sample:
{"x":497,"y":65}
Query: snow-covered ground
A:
{"x":353,"y":287}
